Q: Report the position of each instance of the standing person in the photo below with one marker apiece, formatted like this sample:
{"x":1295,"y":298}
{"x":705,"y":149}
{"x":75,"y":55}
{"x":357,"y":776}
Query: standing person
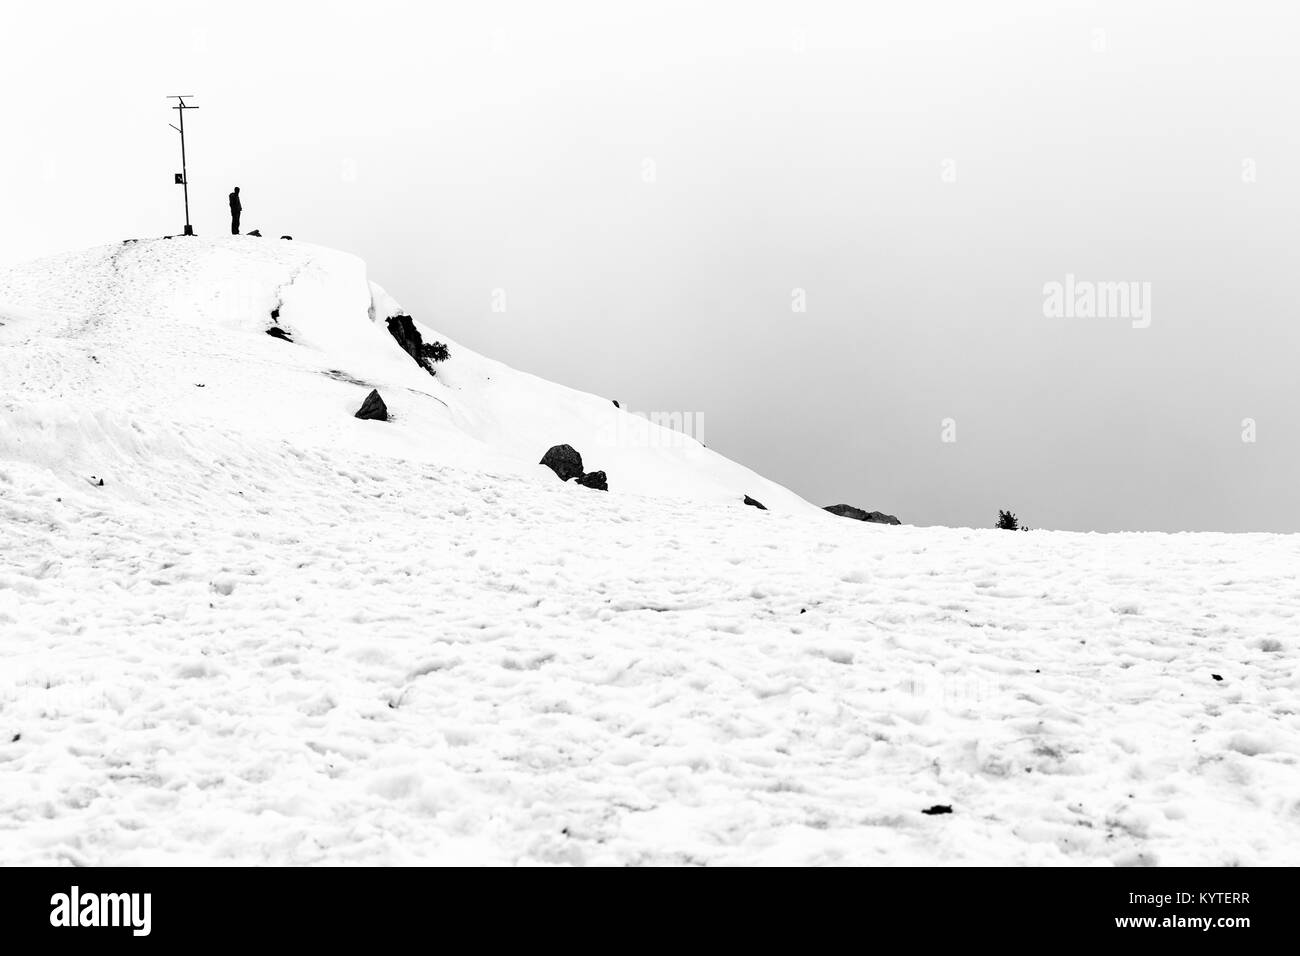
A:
{"x":236,"y":207}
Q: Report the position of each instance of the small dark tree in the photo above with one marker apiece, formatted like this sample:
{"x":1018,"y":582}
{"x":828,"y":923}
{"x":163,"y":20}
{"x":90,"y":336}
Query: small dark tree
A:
{"x":434,"y":351}
{"x":1007,"y":521}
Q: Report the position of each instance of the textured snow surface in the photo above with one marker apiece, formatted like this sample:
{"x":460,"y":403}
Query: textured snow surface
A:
{"x":279,"y":634}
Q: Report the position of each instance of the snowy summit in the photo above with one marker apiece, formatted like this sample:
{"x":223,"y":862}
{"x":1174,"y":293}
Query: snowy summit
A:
{"x":241,"y":624}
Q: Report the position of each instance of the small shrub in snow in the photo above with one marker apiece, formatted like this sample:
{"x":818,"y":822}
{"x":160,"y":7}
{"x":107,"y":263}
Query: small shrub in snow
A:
{"x":434,"y":351}
{"x":1007,"y":521}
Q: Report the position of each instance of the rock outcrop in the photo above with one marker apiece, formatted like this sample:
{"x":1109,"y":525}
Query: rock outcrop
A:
{"x":755,"y":503}
{"x":373,"y":408}
{"x":564,"y":460}
{"x":402,"y":328}
{"x":848,"y":511}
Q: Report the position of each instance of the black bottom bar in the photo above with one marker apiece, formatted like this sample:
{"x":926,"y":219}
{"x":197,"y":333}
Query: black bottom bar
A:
{"x":332,"y":907}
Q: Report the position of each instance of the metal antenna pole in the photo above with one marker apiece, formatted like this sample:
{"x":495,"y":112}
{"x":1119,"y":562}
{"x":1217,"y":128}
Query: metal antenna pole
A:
{"x":185,"y":176}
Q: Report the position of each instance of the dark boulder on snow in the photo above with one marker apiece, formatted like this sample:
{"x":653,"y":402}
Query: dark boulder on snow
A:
{"x":286,"y":237}
{"x":937,"y":809}
{"x":564,"y":460}
{"x":755,"y":503}
{"x":278,"y":333}
{"x":616,"y":404}
{"x":848,"y":511}
{"x":255,"y":232}
{"x":373,"y":408}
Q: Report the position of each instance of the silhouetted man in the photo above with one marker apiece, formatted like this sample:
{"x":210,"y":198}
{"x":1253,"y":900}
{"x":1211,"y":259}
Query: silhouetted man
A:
{"x":235,"y":209}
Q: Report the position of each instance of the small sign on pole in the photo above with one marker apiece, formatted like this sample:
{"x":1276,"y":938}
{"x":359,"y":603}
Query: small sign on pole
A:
{"x":180,"y":179}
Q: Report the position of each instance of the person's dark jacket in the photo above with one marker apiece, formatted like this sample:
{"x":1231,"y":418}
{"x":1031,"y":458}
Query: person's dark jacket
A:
{"x":235,"y":204}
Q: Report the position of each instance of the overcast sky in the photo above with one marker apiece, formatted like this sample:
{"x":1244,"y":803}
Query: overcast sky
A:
{"x":659,"y":188}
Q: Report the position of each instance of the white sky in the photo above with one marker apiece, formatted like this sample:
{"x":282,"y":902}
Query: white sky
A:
{"x":464,"y":148}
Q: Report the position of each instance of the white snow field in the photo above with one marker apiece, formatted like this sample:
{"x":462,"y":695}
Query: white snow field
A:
{"x":279,"y":634}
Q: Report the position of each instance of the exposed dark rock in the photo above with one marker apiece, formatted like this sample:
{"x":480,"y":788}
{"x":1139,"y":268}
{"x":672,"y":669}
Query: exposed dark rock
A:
{"x":275,"y":315}
{"x":616,"y":404}
{"x":255,"y":232}
{"x":96,"y":481}
{"x":127,"y":242}
{"x":278,"y":333}
{"x":373,"y":408}
{"x":564,"y":460}
{"x":755,"y":503}
{"x":402,"y":328}
{"x":286,"y":237}
{"x":937,"y":809}
{"x":1215,"y":676}
{"x":848,"y":511}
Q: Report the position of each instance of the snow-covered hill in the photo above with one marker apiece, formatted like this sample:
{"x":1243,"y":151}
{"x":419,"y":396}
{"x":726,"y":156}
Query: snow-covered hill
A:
{"x":279,"y":634}
{"x":177,"y":330}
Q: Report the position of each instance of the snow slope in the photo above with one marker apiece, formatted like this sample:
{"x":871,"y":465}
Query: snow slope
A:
{"x":279,"y":634}
{"x":169,"y":315}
